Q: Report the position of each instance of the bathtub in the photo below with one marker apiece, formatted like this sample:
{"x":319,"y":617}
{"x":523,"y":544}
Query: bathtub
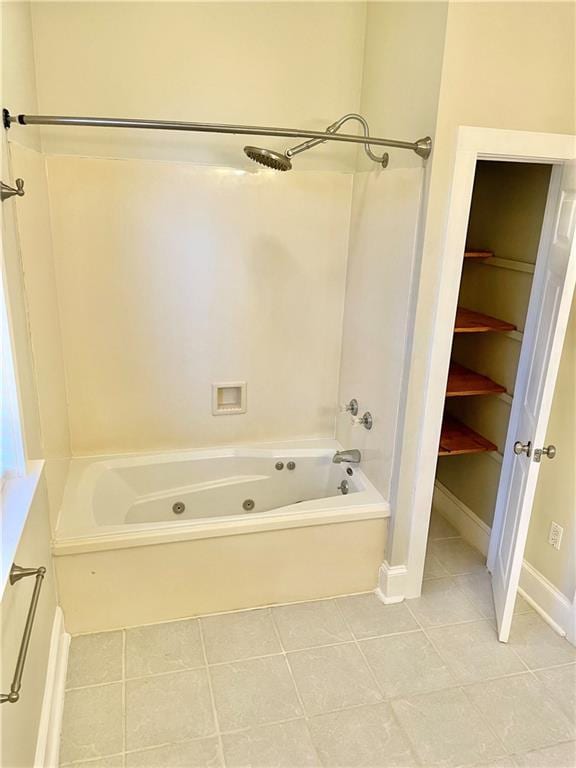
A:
{"x":146,"y":538}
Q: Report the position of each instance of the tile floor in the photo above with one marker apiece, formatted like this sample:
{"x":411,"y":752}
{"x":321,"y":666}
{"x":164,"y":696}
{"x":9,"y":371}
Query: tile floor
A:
{"x":340,"y":682}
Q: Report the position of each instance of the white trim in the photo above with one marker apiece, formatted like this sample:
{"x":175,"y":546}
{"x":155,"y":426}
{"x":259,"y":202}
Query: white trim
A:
{"x":48,"y":740}
{"x":505,"y":397}
{"x":514,"y":335}
{"x":513,"y":264}
{"x":571,"y":631}
{"x":554,"y":607}
{"x":519,"y":146}
{"x":467,"y":523}
{"x":546,"y":599}
{"x":495,"y":456}
{"x":413,"y":485}
{"x":391,"y":583}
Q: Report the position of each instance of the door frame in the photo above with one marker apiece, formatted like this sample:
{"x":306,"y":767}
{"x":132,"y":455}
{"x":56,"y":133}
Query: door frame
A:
{"x":402,"y":572}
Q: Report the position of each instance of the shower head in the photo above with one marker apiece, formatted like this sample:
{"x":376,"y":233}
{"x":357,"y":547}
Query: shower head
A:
{"x":269,"y":158}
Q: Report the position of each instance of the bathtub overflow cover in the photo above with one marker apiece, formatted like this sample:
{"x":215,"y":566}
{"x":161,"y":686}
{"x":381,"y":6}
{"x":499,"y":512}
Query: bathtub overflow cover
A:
{"x":248,"y":505}
{"x":178,"y":508}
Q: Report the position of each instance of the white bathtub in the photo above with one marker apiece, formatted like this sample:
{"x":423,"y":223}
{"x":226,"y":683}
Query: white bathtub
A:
{"x":122,"y":529}
{"x":114,"y":501}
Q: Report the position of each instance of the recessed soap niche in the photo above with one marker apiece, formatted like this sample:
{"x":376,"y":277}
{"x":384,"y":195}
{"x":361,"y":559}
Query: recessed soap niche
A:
{"x":228,"y":397}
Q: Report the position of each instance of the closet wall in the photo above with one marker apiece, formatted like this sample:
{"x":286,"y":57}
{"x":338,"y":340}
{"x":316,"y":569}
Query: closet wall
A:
{"x":506,"y":218}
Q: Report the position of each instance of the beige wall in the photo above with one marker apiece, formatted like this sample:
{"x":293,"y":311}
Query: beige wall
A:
{"x":401,"y":77}
{"x":29,"y":263}
{"x":34,"y":248}
{"x":18,"y":68}
{"x":292,"y":64}
{"x":506,"y":65}
{"x":172,"y":277}
{"x":402,"y":65}
{"x":556,"y":491}
{"x":19,"y":722}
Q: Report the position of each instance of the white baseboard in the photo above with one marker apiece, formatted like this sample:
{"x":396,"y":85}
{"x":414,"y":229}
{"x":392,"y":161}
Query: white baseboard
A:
{"x":468,"y":524}
{"x":48,"y":741}
{"x":551,"y":604}
{"x":542,"y":595}
{"x":391,"y":583}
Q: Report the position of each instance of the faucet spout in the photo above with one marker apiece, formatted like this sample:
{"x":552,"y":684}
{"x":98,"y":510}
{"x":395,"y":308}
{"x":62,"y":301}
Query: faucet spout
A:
{"x":352,"y":456}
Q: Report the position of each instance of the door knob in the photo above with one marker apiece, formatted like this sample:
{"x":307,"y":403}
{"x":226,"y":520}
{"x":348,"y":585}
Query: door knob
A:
{"x":549,"y":450}
{"x":520,"y":448}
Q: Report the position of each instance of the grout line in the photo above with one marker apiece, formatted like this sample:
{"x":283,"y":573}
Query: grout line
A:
{"x":355,"y":640}
{"x":385,"y":699}
{"x":459,"y":684}
{"x":284,"y":652}
{"x":361,"y":652}
{"x":287,"y":662}
{"x":212,"y":699}
{"x":90,"y":761}
{"x":554,"y":666}
{"x":520,"y":659}
{"x":196,"y":616}
{"x":421,"y":627}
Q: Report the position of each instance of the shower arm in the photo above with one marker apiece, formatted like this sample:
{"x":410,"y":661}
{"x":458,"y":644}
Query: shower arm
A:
{"x":382,"y":160}
{"x":422,"y":147}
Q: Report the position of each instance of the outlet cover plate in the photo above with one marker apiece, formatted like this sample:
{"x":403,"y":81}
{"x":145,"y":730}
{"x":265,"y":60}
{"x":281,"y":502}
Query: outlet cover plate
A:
{"x":555,"y":535}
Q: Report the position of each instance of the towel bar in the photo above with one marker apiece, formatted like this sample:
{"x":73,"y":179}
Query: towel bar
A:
{"x":17,"y":573}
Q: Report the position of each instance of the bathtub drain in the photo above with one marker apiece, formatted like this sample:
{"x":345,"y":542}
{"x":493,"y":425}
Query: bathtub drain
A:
{"x":178,"y":508}
{"x":248,"y":505}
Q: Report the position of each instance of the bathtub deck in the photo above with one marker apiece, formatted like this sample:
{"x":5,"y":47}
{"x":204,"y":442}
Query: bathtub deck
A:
{"x":337,"y":682}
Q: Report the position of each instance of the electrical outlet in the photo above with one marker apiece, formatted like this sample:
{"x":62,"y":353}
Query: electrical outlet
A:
{"x":555,"y":535}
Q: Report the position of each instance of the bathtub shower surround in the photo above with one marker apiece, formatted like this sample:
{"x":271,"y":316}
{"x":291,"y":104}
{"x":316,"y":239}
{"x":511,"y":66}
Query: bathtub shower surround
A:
{"x":226,"y":529}
{"x":207,"y":275}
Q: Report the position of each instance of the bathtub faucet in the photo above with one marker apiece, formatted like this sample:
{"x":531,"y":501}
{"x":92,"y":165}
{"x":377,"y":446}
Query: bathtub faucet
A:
{"x":350,"y":457}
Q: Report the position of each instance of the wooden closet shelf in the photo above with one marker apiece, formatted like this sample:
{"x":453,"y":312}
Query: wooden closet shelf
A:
{"x":477,"y":254}
{"x":457,"y":439}
{"x":462,"y":381}
{"x":468,"y":321}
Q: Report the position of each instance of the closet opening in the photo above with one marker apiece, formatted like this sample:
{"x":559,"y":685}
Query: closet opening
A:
{"x":505,"y":235}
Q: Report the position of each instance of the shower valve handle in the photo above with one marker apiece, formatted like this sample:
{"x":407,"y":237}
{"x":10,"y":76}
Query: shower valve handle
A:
{"x":351,"y":407}
{"x":365,"y":420}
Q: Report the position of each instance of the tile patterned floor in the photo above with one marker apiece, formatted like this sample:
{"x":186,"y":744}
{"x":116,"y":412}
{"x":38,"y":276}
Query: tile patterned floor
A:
{"x":341,"y":682}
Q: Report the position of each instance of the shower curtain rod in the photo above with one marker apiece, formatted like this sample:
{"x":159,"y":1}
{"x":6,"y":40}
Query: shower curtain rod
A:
{"x":421,"y":147}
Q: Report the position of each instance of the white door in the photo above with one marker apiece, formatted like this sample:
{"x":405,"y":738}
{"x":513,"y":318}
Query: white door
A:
{"x":546,"y":322}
